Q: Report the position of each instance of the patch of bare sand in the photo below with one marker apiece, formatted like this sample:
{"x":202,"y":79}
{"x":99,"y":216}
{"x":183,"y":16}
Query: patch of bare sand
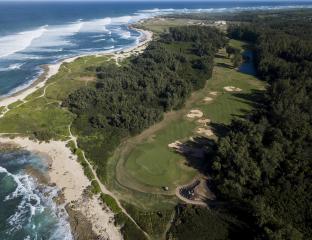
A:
{"x":232,"y":89}
{"x":205,"y":131}
{"x":195,"y":113}
{"x":95,"y":211}
{"x":208,"y":99}
{"x":204,"y":121}
{"x":187,"y":149}
{"x":213,"y":93}
{"x":87,"y":79}
{"x":67,"y":174}
{"x":175,"y":145}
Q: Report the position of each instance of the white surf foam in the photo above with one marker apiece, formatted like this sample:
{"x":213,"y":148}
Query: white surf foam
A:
{"x":35,"y":201}
{"x":97,"y":25}
{"x":14,"y":66}
{"x":122,"y":20}
{"x":124,"y":34}
{"x":20,"y":41}
{"x":100,"y":40}
{"x":56,"y":36}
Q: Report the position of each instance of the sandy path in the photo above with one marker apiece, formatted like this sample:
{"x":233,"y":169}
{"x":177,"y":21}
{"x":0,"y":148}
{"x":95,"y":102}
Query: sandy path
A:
{"x":103,"y":187}
{"x":52,"y":69}
{"x":67,"y":174}
{"x":65,"y":171}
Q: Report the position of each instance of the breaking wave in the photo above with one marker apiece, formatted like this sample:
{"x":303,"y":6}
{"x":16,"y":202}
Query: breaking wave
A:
{"x":35,"y":202}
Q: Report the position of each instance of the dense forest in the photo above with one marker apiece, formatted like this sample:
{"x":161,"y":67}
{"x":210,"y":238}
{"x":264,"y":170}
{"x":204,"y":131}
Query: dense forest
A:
{"x":261,"y":171}
{"x":129,"y":98}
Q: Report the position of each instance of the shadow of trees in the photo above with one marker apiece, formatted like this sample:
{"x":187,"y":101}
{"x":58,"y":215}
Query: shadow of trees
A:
{"x":221,"y":56}
{"x":225,"y":65}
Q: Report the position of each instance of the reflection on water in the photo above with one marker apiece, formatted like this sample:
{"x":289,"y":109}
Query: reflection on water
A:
{"x":248,"y":66}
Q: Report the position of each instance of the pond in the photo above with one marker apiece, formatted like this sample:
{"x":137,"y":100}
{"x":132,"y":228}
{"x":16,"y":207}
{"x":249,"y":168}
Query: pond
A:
{"x":248,"y":66}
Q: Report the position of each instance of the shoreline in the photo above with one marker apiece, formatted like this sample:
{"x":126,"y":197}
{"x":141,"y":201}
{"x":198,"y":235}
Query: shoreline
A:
{"x":66,"y":173}
{"x":64,"y":169}
{"x":49,"y":70}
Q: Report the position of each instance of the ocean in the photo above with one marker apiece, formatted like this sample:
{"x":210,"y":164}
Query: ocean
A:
{"x":36,"y":33}
{"x":27,"y":208}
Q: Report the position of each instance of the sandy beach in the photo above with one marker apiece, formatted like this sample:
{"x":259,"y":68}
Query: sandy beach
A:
{"x":65,"y":171}
{"x":52,"y":69}
{"x":67,"y":174}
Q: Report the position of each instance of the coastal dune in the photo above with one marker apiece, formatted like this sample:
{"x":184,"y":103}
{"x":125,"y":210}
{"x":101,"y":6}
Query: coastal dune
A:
{"x":52,"y":69}
{"x":64,"y":169}
{"x":67,"y":174}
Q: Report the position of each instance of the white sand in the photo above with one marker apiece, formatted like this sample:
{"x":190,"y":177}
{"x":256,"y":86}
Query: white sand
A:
{"x":232,"y":89}
{"x":65,"y":171}
{"x":67,"y":174}
{"x":204,"y":121}
{"x":195,"y":113}
{"x":175,"y":145}
{"x":95,"y":210}
{"x":208,"y":99}
{"x":205,"y":131}
{"x":213,"y":93}
{"x":146,"y":37}
{"x":52,"y":69}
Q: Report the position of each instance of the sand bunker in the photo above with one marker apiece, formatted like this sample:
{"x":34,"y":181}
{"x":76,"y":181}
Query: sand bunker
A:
{"x":175,"y":145}
{"x":205,"y":131}
{"x":232,"y":89}
{"x":213,"y":93}
{"x":204,"y":121}
{"x":195,"y":114}
{"x":208,"y":99}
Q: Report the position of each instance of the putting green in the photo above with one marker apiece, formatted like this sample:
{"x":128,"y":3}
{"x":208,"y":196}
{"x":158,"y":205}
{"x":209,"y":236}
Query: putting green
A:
{"x":145,"y":163}
{"x":154,"y":163}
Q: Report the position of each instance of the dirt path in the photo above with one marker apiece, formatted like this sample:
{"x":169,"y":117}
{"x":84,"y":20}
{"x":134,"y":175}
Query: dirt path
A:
{"x":168,"y":225}
{"x":102,"y":186}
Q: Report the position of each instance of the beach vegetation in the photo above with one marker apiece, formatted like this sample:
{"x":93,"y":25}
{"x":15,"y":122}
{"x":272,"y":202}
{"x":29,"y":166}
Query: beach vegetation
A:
{"x":71,"y":145}
{"x":128,"y":99}
{"x":15,"y":104}
{"x":111,"y":203}
{"x":128,"y":228}
{"x":262,"y":164}
{"x":95,"y":187}
{"x":155,"y":223}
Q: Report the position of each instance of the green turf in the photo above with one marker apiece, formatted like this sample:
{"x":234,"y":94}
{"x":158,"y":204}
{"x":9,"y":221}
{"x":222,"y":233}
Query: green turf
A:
{"x":15,"y":104}
{"x":147,"y":164}
{"x":152,"y":163}
{"x":2,"y":108}
{"x":43,"y":113}
{"x":161,"y":25}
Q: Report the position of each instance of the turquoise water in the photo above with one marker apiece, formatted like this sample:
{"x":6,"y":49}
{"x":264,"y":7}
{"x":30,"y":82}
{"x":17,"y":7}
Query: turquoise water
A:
{"x":33,"y":34}
{"x":37,"y":33}
{"x":27,"y":207}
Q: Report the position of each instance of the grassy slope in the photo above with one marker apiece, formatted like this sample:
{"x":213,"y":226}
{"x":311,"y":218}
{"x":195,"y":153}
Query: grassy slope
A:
{"x":43,"y":112}
{"x":144,"y":163}
{"x":149,"y":161}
